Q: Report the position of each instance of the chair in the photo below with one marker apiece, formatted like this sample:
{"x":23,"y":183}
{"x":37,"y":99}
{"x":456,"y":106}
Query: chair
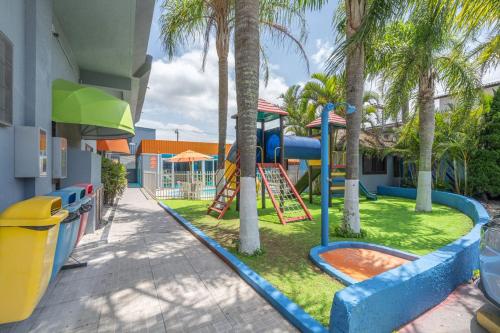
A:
{"x":197,"y":190}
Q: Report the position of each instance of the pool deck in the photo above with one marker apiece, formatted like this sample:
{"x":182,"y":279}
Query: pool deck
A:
{"x":151,"y":275}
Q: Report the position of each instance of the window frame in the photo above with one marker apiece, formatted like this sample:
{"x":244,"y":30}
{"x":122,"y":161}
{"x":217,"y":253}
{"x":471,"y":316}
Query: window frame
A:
{"x":9,"y":75}
{"x":372,"y":158}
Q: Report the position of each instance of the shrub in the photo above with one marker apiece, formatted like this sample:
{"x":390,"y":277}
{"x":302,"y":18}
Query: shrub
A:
{"x":114,"y":179}
{"x":346,"y":232}
{"x":485,"y":166}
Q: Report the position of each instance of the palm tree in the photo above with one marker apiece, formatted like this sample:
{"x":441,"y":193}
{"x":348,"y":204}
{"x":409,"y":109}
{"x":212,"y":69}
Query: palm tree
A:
{"x":355,"y":79}
{"x":425,"y":54}
{"x":358,"y":22}
{"x":324,"y":88}
{"x":247,"y":91}
{"x":186,"y":21}
{"x":299,"y":112}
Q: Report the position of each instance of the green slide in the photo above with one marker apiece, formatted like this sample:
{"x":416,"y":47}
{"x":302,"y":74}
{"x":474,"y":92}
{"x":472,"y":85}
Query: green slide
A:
{"x":363,"y":190}
{"x":304,"y":180}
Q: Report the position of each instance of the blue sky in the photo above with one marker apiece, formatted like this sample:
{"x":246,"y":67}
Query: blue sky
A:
{"x":290,"y":66}
{"x":181,"y":96}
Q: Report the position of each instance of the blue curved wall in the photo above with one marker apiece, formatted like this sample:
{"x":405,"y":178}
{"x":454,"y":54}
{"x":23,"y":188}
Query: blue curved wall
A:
{"x":393,"y":298}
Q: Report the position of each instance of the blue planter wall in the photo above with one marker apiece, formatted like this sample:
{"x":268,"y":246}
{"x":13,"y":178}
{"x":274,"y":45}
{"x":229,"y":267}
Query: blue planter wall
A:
{"x":393,"y":298}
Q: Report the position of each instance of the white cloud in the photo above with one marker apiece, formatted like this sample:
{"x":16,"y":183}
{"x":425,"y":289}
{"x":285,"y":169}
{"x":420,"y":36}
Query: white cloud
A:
{"x":323,"y":51}
{"x":182,"y":96}
{"x":492,"y":75}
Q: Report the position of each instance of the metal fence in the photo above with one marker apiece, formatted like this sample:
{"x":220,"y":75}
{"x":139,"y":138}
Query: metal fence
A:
{"x":181,"y":185}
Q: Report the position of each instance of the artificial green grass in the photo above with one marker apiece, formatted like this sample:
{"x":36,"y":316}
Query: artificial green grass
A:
{"x":285,"y":264}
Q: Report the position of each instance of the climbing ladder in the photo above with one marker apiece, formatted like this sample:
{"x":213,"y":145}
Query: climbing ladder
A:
{"x":285,"y":198}
{"x":337,"y":177}
{"x":226,"y":195}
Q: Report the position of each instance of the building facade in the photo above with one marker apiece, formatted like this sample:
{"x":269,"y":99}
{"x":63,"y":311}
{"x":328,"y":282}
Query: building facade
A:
{"x":46,"y":40}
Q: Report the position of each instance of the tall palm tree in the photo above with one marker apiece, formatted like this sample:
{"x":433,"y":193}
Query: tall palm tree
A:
{"x":358,"y":22}
{"x":185,"y":21}
{"x":247,"y":92}
{"x":299,"y":112}
{"x":426,"y":53}
{"x":324,"y":88}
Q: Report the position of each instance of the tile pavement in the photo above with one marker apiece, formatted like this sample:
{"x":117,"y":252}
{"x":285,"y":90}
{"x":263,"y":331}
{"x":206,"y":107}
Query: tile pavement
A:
{"x":151,"y":276}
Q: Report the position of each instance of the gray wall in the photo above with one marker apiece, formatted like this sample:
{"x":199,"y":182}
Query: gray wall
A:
{"x":85,"y":168}
{"x":141,"y":133}
{"x":38,"y":60}
{"x":12,"y":25}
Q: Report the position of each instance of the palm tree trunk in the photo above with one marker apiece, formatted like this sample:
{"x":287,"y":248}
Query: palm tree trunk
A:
{"x":355,"y":64}
{"x":222,"y":47}
{"x":455,"y":175}
{"x":466,"y":181}
{"x":223,"y":96}
{"x":247,"y":92}
{"x":405,"y":111}
{"x":426,"y":133}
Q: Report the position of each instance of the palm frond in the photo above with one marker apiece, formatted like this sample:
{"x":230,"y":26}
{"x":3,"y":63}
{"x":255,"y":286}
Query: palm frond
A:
{"x":182,"y":22}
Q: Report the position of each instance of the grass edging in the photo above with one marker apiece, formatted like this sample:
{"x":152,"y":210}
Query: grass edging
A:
{"x":288,"y":309}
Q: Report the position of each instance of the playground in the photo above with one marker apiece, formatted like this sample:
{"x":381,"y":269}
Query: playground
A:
{"x":285,"y":264}
{"x":307,"y":254}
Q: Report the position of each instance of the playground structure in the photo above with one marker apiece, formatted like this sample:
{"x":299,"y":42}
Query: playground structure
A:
{"x":274,"y":180}
{"x":274,"y":149}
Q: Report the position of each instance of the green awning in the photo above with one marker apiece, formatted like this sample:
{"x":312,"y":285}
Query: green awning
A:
{"x":99,"y":114}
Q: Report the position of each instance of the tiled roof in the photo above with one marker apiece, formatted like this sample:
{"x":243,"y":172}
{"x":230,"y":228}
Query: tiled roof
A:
{"x":333,"y":118}
{"x":265,"y":106}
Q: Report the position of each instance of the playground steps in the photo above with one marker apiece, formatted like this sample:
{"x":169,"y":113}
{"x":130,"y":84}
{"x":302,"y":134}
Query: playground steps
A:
{"x":337,"y":182}
{"x":225,"y":197}
{"x":285,"y":198}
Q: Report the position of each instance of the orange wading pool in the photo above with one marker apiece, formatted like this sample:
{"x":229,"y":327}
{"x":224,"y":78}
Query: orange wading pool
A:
{"x":361,"y":264}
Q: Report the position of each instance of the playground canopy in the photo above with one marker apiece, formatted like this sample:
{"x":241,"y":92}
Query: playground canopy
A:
{"x":189,"y":156}
{"x":268,"y":111}
{"x":333,"y":119}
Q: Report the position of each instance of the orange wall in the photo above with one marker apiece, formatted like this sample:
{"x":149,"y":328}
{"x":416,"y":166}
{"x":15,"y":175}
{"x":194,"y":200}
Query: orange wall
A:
{"x":176,"y":147}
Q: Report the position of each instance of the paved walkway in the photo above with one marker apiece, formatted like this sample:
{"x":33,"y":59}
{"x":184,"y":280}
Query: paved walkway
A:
{"x":151,"y":276}
{"x":456,"y":314}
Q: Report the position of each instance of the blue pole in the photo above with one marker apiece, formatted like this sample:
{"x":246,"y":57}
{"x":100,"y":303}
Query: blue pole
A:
{"x":325,"y":189}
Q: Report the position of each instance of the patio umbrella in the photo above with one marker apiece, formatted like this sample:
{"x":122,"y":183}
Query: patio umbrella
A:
{"x":189,"y":156}
{"x":98,"y":114}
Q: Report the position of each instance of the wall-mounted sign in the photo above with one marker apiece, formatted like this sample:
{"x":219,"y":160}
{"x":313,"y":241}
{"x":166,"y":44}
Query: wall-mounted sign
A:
{"x":153,"y":162}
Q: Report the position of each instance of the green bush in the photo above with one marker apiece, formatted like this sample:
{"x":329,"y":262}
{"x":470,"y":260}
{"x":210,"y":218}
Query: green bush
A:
{"x":114,"y":179}
{"x":485,"y":166}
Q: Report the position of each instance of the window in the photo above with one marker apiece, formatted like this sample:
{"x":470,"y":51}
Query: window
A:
{"x":396,"y":162}
{"x":373,"y":165}
{"x":5,"y":80}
